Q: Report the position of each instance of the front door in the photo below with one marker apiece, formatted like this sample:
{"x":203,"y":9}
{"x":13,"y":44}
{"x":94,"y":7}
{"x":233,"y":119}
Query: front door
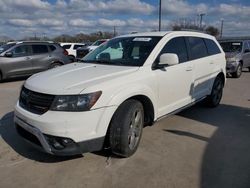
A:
{"x":20,"y":62}
{"x":174,"y":82}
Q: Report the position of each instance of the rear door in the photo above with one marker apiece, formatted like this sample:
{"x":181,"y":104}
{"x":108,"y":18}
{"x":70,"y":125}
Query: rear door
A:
{"x":20,"y":63}
{"x":174,"y":82}
{"x":41,"y":57}
{"x":203,"y":67}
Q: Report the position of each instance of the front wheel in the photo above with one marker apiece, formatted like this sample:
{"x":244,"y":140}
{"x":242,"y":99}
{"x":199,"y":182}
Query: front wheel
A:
{"x":54,"y":65}
{"x":126,"y":128}
{"x":214,"y":98}
{"x":238,"y":72}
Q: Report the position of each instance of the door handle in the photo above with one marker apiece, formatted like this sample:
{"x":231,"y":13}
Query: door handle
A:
{"x":189,"y":68}
{"x":211,"y":63}
{"x":28,"y":58}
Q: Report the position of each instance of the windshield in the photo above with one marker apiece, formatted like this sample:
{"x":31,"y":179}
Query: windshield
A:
{"x":126,"y":51}
{"x":231,"y":46}
{"x":98,"y":43}
{"x":5,"y":47}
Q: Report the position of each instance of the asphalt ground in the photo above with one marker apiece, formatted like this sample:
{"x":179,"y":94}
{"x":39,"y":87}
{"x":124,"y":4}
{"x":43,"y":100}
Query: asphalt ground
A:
{"x":197,"y":148}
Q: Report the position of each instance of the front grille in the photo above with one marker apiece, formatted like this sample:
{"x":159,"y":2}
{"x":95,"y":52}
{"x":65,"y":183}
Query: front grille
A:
{"x":34,"y":102}
{"x":27,"y":135}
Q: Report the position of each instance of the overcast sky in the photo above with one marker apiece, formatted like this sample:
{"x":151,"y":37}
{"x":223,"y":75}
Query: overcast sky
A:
{"x":20,"y":18}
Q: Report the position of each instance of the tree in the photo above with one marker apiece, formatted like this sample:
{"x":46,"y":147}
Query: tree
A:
{"x":212,"y":31}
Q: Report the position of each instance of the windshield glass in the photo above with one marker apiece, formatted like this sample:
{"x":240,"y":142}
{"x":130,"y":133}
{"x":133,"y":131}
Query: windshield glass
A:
{"x":98,"y":43}
{"x":231,"y":46}
{"x":126,"y":51}
{"x":5,"y":47}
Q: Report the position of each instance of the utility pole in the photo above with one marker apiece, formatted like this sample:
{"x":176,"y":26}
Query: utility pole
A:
{"x":221,"y":28}
{"x":201,"y":17}
{"x":159,"y":15}
{"x":114,"y":31}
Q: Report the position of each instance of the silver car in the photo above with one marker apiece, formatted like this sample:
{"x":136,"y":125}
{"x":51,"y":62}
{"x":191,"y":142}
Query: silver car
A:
{"x":237,"y":56}
{"x":26,"y":58}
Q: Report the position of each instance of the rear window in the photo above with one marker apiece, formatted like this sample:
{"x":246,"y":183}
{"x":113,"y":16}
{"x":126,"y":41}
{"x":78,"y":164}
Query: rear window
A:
{"x":212,"y":47}
{"x":39,"y":49}
{"x":197,"y":47}
{"x":77,"y":46}
{"x":52,"y":48}
{"x":66,"y":47}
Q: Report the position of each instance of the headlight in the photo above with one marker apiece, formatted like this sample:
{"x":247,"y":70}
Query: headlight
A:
{"x":75,"y":102}
{"x":231,"y":60}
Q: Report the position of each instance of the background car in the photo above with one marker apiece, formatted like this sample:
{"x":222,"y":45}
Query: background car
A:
{"x":81,"y":52}
{"x":237,"y":55}
{"x":71,"y":48}
{"x":26,"y":58}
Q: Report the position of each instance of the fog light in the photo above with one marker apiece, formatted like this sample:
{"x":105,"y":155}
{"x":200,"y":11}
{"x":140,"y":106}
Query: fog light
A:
{"x":57,"y":145}
{"x":66,"y":141}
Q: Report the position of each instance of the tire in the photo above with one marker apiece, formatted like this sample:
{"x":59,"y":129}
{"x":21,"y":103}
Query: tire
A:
{"x":213,"y":100}
{"x":126,"y":128}
{"x":249,"y":69}
{"x":238,"y":72}
{"x":72,"y":58}
{"x":1,"y":77}
{"x":54,"y":65}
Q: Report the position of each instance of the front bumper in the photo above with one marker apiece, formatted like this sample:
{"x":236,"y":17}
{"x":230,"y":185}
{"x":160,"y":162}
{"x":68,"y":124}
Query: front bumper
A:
{"x":231,"y":67}
{"x":64,"y":133}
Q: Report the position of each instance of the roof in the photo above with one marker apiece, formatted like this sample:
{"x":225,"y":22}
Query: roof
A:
{"x":162,"y":33}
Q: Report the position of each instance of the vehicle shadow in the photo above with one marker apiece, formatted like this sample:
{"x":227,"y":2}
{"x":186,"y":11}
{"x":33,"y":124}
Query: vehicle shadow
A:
{"x":226,"y":161}
{"x":19,"y":145}
{"x":23,"y":78}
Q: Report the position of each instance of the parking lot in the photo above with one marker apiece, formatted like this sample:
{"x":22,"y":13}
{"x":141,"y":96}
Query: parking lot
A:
{"x":198,"y":147}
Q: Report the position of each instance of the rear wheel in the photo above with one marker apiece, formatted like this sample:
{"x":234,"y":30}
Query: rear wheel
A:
{"x":126,"y":128}
{"x":72,"y":58}
{"x":214,"y":98}
{"x":249,"y":69}
{"x":1,"y":77}
{"x":238,"y":72}
{"x":54,"y":65}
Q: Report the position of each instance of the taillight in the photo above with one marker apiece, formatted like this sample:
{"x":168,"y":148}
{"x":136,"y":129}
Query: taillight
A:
{"x":65,"y":52}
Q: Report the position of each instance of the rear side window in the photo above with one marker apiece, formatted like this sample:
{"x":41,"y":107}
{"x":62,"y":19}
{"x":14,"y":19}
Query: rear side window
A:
{"x":40,"y":49}
{"x":77,"y":46}
{"x":212,"y":47}
{"x":178,"y":47}
{"x":66,"y":47}
{"x":197,"y":48}
{"x":52,"y":48}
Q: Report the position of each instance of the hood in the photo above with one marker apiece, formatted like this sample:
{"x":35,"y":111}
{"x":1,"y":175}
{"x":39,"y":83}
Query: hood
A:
{"x":74,"y":78}
{"x":231,"y":54}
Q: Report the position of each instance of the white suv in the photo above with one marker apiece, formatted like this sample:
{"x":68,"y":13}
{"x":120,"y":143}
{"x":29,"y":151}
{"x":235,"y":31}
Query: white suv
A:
{"x":126,"y":84}
{"x":71,"y":48}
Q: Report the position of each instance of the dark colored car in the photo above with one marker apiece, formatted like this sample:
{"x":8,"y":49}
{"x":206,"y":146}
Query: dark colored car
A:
{"x":81,"y":52}
{"x":26,"y":58}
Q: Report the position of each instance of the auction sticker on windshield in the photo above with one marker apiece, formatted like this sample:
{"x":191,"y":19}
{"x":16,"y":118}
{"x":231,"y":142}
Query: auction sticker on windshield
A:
{"x":142,"y":39}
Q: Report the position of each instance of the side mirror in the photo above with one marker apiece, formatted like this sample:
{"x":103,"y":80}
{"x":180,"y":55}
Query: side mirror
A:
{"x":168,"y":59}
{"x":247,"y":51}
{"x":8,"y":54}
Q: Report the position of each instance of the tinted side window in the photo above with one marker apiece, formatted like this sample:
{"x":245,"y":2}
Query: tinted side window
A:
{"x":212,"y":47}
{"x":66,"y":47}
{"x":52,"y":48}
{"x":178,"y":47}
{"x":40,"y":49}
{"x":21,"y":51}
{"x":197,"y":48}
{"x":77,"y":46}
